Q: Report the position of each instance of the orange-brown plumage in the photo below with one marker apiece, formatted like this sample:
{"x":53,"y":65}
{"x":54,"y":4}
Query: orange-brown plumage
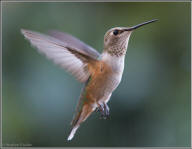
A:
{"x":100,"y":73}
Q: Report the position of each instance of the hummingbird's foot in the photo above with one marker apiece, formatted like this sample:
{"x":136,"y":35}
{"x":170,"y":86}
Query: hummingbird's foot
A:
{"x":104,"y":109}
{"x":100,"y":108}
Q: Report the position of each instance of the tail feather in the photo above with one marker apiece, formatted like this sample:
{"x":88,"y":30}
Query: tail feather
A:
{"x":80,"y":104}
{"x":82,"y":116}
{"x":71,"y":135}
{"x":75,"y":119}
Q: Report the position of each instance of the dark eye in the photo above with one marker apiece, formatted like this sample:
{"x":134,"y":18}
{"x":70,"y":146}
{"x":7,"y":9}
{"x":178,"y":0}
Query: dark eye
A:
{"x":115,"y":32}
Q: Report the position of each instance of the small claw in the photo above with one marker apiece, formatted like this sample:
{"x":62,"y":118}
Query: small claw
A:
{"x":103,"y":116}
{"x":104,"y":109}
{"x":97,"y":110}
{"x":100,"y":108}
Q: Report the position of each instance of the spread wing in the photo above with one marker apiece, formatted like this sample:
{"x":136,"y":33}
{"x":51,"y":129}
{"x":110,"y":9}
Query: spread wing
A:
{"x":66,"y":51}
{"x":76,"y":43}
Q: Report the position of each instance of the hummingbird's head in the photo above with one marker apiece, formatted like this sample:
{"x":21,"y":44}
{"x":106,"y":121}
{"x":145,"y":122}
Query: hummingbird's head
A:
{"x":116,"y":39}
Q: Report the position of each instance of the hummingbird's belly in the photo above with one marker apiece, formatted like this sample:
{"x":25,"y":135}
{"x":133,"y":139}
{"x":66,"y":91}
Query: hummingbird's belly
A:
{"x":103,"y":82}
{"x":104,"y":86}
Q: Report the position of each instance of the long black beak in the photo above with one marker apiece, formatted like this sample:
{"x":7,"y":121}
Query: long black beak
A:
{"x":139,"y":25}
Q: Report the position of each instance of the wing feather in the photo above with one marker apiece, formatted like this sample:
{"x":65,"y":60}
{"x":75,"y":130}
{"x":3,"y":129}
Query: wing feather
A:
{"x":69,"y":57}
{"x":74,"y":42}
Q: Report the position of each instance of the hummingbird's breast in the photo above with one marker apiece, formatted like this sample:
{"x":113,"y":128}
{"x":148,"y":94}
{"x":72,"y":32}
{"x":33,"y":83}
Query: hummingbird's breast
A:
{"x":105,"y":77}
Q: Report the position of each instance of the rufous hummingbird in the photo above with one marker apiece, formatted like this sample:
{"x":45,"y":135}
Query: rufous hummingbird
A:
{"x":100,"y":73}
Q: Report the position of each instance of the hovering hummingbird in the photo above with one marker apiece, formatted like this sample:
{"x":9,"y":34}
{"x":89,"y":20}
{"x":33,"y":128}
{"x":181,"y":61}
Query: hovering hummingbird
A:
{"x":100,"y":73}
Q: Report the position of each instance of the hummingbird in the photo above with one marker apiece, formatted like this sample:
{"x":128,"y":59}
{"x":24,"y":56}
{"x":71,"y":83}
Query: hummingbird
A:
{"x":100,"y":73}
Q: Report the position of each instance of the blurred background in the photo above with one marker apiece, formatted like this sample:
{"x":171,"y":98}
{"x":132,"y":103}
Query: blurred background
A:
{"x":151,"y":106}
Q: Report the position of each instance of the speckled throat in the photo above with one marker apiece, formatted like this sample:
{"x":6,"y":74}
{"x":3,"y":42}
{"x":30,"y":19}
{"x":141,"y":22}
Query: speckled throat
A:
{"x":117,"y":50}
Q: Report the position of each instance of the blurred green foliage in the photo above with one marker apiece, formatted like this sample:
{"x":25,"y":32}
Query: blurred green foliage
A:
{"x":151,"y":106}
